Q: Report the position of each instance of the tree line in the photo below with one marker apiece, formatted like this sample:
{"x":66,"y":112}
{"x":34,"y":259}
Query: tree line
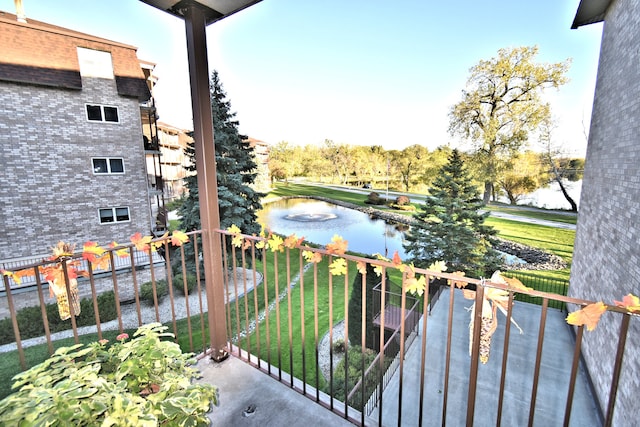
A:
{"x":502,"y":111}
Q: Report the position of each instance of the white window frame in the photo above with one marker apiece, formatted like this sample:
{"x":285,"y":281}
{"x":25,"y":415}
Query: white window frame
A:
{"x":102,"y":116}
{"x":108,"y":172}
{"x":115,"y":217}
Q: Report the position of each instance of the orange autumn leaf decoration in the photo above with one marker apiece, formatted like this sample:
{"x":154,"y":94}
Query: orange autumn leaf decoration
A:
{"x":396,"y":259}
{"x":142,"y":243}
{"x":292,"y":241}
{"x":122,"y":253}
{"x":458,"y":283}
{"x":629,"y":302}
{"x":313,"y":257}
{"x":337,"y":246}
{"x":91,"y":251}
{"x":587,"y":316}
{"x":179,"y":238}
{"x":17,"y":275}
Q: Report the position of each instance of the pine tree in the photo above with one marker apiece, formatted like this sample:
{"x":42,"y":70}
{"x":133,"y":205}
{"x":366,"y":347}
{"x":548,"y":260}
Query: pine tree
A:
{"x":451,"y":227}
{"x":236,"y":171}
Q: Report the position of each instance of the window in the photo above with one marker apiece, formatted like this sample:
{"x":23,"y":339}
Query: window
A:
{"x":95,"y":63}
{"x":102,"y":113}
{"x":108,"y":165}
{"x":111,"y":215}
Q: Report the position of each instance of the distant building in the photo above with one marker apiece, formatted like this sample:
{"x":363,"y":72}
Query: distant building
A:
{"x":72,"y":152}
{"x":261,"y":153}
{"x":606,"y":260}
{"x":173,"y":141}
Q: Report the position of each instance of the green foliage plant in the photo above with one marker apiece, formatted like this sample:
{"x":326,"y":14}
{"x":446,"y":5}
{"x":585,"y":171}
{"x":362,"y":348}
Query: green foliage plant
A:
{"x":179,"y":282}
{"x":355,"y":308}
{"x":146,"y":381}
{"x":146,"y":291}
{"x":30,"y":322}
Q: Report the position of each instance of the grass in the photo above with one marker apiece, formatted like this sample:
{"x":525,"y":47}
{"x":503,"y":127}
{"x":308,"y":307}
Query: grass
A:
{"x":536,"y":213}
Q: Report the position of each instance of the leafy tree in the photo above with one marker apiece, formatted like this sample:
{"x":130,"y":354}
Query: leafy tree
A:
{"x":409,"y":162}
{"x":560,"y":167}
{"x":450,"y":226}
{"x":236,"y":171}
{"x":521,"y":176}
{"x":502,"y":104}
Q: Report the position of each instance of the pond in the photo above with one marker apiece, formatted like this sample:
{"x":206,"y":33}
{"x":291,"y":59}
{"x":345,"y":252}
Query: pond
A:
{"x":318,"y":222}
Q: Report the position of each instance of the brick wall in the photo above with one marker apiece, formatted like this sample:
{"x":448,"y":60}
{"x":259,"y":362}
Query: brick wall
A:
{"x":606,"y":262}
{"x":49,"y":191}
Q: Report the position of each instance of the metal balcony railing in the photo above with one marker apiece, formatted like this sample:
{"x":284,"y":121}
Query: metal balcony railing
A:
{"x":294,"y":313}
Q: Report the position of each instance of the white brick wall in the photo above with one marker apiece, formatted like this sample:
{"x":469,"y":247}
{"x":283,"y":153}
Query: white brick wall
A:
{"x":606,"y":262}
{"x":49,"y":192}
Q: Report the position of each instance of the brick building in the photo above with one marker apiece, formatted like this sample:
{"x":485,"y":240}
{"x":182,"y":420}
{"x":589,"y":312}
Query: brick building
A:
{"x":606,"y":261}
{"x":72,"y":158}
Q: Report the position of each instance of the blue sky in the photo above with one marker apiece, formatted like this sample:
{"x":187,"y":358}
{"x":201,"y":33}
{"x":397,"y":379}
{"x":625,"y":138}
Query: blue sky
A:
{"x":361,"y":72}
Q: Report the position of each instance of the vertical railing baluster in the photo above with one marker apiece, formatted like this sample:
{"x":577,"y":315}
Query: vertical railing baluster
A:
{"x":403,"y":306}
{"x":267,"y":313}
{"x":475,"y":355}
{"x":574,"y":375}
{"x":363,"y":343}
{"x":381,"y":342}
{"x":302,"y":324}
{"x":426,"y":308}
{"x":136,"y":293}
{"x":43,"y":310}
{"x":346,"y":342}
{"x":315,"y":328}
{"x":94,"y":298}
{"x":447,"y":369}
{"x":536,"y":373}
{"x":277,"y":298}
{"x":14,"y":321}
{"x":169,"y":275}
{"x":72,"y":313}
{"x":617,"y":368}
{"x":331,"y":390}
{"x":505,"y":354}
{"x":196,"y":256}
{"x":154,"y":288}
{"x":255,"y":299}
{"x":185,"y":286}
{"x":245,"y":296}
{"x":289,"y":314}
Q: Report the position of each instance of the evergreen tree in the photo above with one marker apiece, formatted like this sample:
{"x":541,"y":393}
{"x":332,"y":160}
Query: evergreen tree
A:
{"x":451,"y":227}
{"x":236,"y":171}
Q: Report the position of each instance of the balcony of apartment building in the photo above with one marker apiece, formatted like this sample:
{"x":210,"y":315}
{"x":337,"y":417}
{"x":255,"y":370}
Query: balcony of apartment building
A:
{"x":308,"y":342}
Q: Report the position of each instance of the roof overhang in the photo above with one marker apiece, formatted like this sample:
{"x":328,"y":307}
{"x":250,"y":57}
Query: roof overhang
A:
{"x":590,"y":12}
{"x":214,"y":10}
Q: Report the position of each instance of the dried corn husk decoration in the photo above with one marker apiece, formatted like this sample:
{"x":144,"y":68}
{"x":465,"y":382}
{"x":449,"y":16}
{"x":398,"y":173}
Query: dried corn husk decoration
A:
{"x":493,"y":299}
{"x":60,"y":292}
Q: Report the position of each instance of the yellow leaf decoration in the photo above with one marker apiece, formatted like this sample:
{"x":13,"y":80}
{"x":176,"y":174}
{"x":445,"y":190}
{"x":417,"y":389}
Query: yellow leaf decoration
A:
{"x":91,"y":251}
{"x":276,"y":243}
{"x":122,"y":252}
{"x":261,"y":244}
{"x":179,"y":238}
{"x":362,"y":267}
{"x":588,"y":315}
{"x":458,"y":284}
{"x":338,"y":267}
{"x":438,"y":266}
{"x":337,"y":246}
{"x":416,"y":285}
{"x":630,"y":302}
{"x":236,"y":237}
{"x":142,"y":243}
{"x":314,"y":257}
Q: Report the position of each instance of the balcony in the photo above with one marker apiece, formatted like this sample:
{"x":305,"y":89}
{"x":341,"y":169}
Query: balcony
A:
{"x":290,"y":320}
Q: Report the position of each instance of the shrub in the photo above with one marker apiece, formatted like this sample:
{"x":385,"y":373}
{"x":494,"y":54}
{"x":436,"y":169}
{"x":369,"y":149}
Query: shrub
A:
{"x":31,"y":325}
{"x":402,"y":200}
{"x":339,"y":346}
{"x":178,"y":282}
{"x":374,"y":199}
{"x":145,"y":381}
{"x":146,"y":290}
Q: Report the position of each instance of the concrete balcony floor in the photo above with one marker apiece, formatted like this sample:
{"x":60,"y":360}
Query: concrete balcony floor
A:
{"x":242,"y":386}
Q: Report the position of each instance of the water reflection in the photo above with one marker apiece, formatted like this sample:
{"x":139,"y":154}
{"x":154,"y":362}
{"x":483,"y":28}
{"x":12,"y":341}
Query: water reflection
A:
{"x":318,"y":222}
